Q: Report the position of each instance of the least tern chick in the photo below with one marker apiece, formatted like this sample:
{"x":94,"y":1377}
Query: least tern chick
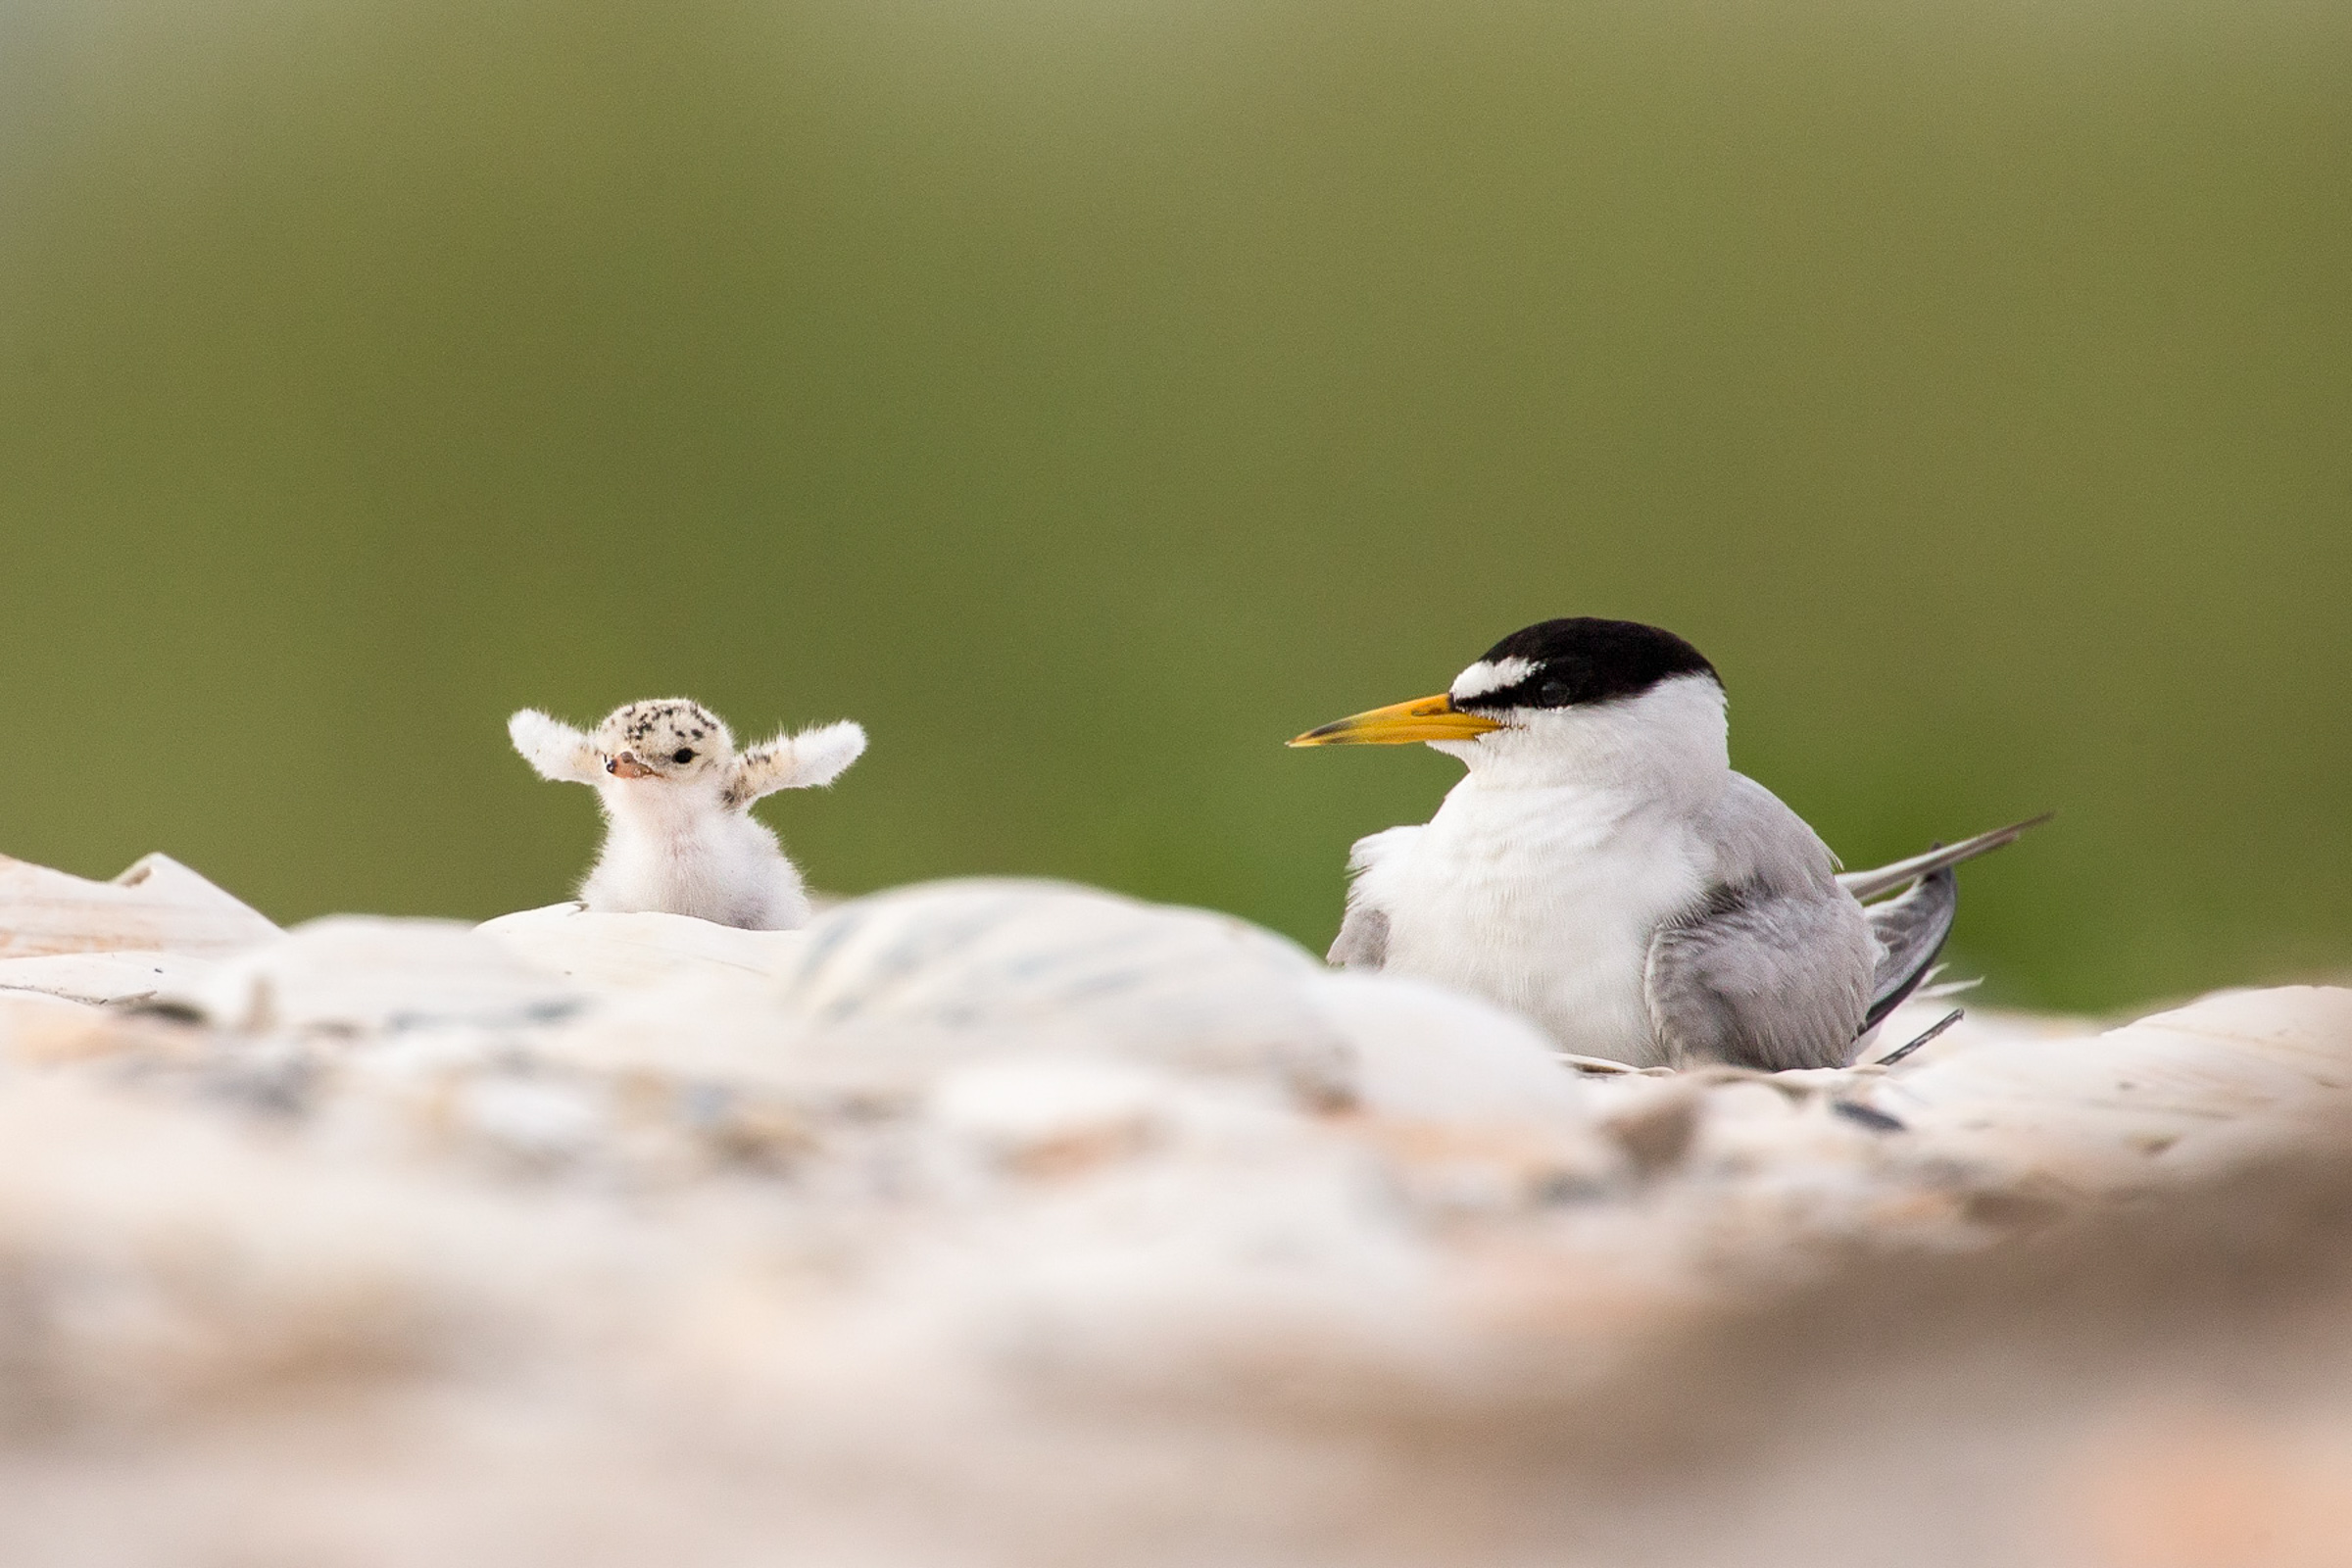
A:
{"x":679,"y":834}
{"x":1603,"y":870}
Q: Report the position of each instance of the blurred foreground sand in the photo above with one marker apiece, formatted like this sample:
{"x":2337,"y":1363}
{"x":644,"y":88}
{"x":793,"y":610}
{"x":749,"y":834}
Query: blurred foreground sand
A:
{"x":1009,"y":1224}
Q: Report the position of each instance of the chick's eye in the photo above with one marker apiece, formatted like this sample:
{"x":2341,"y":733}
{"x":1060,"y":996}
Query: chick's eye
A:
{"x":684,"y":754}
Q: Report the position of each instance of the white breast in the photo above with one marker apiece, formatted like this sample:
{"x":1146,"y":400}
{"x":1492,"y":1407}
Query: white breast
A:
{"x":1543,"y":900}
{"x":684,"y":855}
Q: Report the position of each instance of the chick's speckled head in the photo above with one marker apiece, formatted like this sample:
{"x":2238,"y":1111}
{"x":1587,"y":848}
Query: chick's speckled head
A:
{"x":666,"y":737}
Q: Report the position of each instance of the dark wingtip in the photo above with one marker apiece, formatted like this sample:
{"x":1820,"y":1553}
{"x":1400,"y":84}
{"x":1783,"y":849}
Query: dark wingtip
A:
{"x":1932,"y":1030}
{"x":1912,"y":928}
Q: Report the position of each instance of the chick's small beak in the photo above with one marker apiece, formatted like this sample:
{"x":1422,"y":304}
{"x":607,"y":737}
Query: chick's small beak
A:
{"x":626,"y":765}
{"x":1425,"y":719}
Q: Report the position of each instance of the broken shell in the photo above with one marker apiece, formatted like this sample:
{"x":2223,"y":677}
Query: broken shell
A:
{"x":120,"y":977}
{"x":364,"y":973}
{"x":1059,"y":967}
{"x":2186,"y":1091}
{"x":603,"y":949}
{"x":158,"y":904}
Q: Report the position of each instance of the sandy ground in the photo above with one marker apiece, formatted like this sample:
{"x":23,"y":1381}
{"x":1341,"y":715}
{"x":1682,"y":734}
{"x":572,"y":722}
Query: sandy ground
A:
{"x":1006,"y":1224}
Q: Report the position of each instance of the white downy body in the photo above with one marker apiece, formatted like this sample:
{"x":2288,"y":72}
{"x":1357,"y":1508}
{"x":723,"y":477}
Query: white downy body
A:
{"x":677,"y":798}
{"x":678,"y":847}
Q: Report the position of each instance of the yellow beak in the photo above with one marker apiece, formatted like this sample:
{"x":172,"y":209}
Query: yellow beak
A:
{"x":1425,"y":719}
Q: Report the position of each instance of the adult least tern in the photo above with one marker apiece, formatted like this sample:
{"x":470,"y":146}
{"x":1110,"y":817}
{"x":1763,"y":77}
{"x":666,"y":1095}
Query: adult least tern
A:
{"x":677,"y":797}
{"x":1604,"y":871}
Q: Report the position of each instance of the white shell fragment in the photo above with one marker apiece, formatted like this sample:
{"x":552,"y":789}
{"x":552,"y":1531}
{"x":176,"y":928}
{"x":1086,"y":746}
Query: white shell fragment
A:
{"x":364,"y":973}
{"x":2169,"y":1098}
{"x":1423,"y":1052}
{"x":638,"y":950}
{"x":954,"y":968}
{"x":987,"y":950}
{"x":128,"y":975}
{"x":158,"y":905}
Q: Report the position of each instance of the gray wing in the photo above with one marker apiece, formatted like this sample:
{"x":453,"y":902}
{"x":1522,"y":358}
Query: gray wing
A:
{"x":1910,"y":932}
{"x":1364,"y":938}
{"x":1761,"y":978}
{"x":1774,"y":967}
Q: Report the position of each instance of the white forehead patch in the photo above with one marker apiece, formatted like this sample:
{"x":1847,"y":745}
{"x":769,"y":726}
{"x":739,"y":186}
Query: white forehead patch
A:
{"x":1484,"y":677}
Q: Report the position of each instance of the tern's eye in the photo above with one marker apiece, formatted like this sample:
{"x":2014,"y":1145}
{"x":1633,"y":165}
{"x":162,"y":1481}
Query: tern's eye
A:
{"x":1555,"y":693}
{"x":682,"y":756}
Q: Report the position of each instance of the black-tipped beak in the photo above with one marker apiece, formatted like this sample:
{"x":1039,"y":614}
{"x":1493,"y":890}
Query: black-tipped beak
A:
{"x":1425,"y":719}
{"x":626,"y":765}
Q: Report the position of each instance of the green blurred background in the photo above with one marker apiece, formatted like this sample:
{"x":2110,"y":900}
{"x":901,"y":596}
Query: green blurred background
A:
{"x":1088,"y":394}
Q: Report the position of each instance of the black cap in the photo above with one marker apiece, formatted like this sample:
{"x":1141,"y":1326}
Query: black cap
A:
{"x":1581,"y":662}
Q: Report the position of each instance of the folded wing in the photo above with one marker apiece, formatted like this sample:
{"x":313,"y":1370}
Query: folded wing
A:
{"x":1910,"y":930}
